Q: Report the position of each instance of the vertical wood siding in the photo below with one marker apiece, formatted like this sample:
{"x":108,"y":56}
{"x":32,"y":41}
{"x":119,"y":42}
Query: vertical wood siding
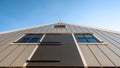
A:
{"x":95,"y":55}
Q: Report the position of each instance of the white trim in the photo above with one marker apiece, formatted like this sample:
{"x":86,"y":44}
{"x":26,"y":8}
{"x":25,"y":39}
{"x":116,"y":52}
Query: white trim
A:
{"x":94,"y":43}
{"x":82,"y":56}
{"x":32,"y":53}
{"x":24,"y":43}
{"x":83,"y":33}
{"x":95,"y":28}
{"x":25,"y":28}
{"x":20,"y":37}
{"x":98,"y":38}
{"x":25,"y":64}
{"x":101,"y":42}
{"x":52,"y":26}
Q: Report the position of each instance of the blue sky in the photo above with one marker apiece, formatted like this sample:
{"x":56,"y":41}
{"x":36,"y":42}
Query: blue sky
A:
{"x":15,"y":14}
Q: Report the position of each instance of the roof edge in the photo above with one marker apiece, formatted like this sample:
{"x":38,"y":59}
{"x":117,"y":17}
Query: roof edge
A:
{"x":96,"y":28}
{"x":25,"y":28}
{"x":84,"y":26}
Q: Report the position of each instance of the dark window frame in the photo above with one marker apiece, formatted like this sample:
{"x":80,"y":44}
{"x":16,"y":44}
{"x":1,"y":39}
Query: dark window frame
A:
{"x":31,"y":38}
{"x":60,"y":26}
{"x":86,"y":38}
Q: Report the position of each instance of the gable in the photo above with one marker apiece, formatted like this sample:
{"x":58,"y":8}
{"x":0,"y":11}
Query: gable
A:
{"x":12,"y":55}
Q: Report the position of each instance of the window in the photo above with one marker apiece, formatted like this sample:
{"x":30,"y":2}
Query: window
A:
{"x":59,"y":26}
{"x":86,"y":38}
{"x":30,"y":38}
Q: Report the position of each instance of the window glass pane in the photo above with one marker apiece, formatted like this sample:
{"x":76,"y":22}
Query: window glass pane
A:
{"x":23,"y":40}
{"x":37,"y":36}
{"x":88,"y":36}
{"x":80,"y":36}
{"x":33,"y":40}
{"x":28,"y":36}
{"x":59,"y":26}
{"x":82,"y":40}
{"x":92,"y":40}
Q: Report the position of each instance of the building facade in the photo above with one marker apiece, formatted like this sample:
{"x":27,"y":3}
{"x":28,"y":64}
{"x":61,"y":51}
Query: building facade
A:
{"x":60,"y":45}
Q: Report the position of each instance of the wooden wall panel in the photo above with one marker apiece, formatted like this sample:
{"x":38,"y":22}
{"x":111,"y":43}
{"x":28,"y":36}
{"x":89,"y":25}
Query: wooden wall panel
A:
{"x":107,"y":48}
{"x":103,"y":60}
{"x":72,"y":29}
{"x":14,"y":55}
{"x":89,"y":57}
{"x":21,"y":60}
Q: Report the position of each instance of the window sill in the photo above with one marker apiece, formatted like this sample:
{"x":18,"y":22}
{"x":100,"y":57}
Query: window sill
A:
{"x":94,"y":43}
{"x":24,"y":43}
